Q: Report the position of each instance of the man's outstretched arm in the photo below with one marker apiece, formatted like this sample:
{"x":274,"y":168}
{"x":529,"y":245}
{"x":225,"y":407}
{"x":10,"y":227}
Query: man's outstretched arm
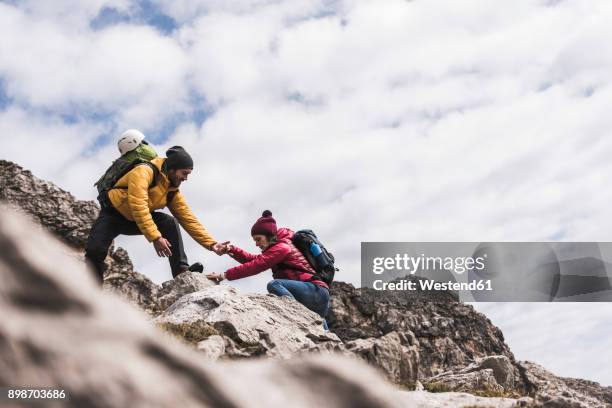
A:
{"x":181,"y":211}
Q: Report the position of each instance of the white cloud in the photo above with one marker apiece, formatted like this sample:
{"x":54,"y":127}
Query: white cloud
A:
{"x":46,"y":146}
{"x":130,"y":72}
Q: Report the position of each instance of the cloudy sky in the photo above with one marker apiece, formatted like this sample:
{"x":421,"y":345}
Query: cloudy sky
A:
{"x":380,"y":120}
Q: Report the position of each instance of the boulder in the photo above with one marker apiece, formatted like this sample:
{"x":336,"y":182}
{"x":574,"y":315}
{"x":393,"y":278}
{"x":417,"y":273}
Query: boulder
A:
{"x":395,"y":354}
{"x":552,"y":391}
{"x":183,"y":284}
{"x":122,"y":279}
{"x":50,"y":305}
{"x":58,"y":329}
{"x":251,"y":324}
{"x":449,"y":334}
{"x":70,"y":221}
{"x":491,"y":375}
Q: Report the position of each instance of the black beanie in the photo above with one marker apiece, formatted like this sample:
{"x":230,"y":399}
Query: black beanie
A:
{"x":178,"y":158}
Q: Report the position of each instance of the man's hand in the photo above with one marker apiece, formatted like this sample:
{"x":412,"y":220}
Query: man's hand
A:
{"x":215,"y":277}
{"x":162,"y":247}
{"x":222,"y":248}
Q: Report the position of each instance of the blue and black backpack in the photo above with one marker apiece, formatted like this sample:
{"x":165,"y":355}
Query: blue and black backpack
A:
{"x":316,"y":254}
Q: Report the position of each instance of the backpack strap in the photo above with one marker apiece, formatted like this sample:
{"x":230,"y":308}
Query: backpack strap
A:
{"x":155,"y":174}
{"x":170,"y":196}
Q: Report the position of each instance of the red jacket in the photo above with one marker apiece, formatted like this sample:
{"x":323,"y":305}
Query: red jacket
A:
{"x":285,"y":260}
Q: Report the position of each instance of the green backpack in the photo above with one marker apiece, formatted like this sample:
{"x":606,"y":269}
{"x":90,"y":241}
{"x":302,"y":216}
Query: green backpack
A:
{"x":143,"y":154}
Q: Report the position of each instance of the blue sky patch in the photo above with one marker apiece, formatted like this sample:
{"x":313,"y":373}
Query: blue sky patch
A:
{"x":5,"y":100}
{"x":144,"y":13}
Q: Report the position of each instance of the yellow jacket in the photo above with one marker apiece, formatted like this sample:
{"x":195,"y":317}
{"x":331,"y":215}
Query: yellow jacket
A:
{"x":138,"y":201}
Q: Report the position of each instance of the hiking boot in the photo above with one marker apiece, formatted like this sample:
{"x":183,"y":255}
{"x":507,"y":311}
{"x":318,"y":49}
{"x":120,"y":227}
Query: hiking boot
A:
{"x":196,"y":267}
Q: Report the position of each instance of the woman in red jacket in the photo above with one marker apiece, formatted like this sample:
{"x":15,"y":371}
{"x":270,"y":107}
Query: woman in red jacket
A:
{"x":293,"y":275}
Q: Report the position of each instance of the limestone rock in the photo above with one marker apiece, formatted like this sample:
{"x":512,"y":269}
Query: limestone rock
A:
{"x":121,"y":278}
{"x":55,"y":209}
{"x":59,"y":330}
{"x":552,"y":391}
{"x":50,"y":306}
{"x":183,"y":284}
{"x":449,"y":334}
{"x":70,"y":220}
{"x":423,"y":399}
{"x":474,"y":382}
{"x":213,"y":347}
{"x":252,"y":325}
{"x":395,"y":354}
{"x":490,"y":375}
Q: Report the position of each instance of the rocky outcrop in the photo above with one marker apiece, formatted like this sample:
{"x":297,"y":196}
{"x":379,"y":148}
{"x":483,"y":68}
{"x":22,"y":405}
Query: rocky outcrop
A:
{"x":552,"y":391}
{"x":493,"y":375}
{"x":410,"y":338}
{"x":395,"y":354}
{"x":121,"y":278}
{"x":70,"y":220}
{"x":448,"y":333}
{"x":183,"y":284}
{"x":59,"y":330}
{"x":251,"y":325}
{"x":55,"y":209}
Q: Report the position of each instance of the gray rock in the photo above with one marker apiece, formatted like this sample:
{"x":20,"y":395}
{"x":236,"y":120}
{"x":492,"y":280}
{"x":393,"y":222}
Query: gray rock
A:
{"x":183,"y":284}
{"x":121,"y":278}
{"x":446,"y":335}
{"x":213,"y":347}
{"x":252,"y":325}
{"x":482,"y":381}
{"x":59,"y":330}
{"x":504,"y":371}
{"x":491,"y":374}
{"x":552,"y":391}
{"x":422,"y":399}
{"x":449,"y":334}
{"x":55,"y":209}
{"x":70,"y":221}
{"x":393,"y":354}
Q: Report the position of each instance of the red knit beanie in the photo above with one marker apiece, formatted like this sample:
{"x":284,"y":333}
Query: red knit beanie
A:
{"x":266,"y":225}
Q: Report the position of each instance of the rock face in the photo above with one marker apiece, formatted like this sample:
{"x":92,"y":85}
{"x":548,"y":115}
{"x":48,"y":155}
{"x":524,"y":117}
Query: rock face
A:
{"x":488,"y":375}
{"x":121,"y":278}
{"x":448,"y":333}
{"x":558,"y":392}
{"x":55,"y":209}
{"x":70,"y":220}
{"x":395,"y":354}
{"x":185,"y":283}
{"x":59,"y":330}
{"x":409,"y":338}
{"x":250,"y":325}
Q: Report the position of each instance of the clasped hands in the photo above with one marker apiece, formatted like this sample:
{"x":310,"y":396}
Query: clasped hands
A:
{"x":219,"y":249}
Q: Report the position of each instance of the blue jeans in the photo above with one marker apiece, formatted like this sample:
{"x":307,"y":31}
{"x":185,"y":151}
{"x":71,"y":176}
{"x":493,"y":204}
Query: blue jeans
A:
{"x":314,"y":297}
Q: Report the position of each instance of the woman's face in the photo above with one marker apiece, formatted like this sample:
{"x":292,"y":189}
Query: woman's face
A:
{"x":261,"y":241}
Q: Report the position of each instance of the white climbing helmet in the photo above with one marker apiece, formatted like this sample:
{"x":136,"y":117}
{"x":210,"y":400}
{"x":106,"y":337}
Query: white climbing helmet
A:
{"x":129,"y":140}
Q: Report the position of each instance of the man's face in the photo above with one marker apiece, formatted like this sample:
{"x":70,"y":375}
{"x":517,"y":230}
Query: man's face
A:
{"x":261,"y":241}
{"x":178,"y":176}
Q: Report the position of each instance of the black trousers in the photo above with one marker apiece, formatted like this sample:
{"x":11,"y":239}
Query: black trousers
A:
{"x":110,"y":224}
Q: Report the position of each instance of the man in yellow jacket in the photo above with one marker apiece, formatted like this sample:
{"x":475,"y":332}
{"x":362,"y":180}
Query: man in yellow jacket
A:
{"x":133,"y":201}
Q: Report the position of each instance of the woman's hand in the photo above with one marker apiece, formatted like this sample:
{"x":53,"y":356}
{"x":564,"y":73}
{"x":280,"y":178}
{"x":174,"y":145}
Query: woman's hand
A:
{"x":222,"y":248}
{"x":216,"y":277}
